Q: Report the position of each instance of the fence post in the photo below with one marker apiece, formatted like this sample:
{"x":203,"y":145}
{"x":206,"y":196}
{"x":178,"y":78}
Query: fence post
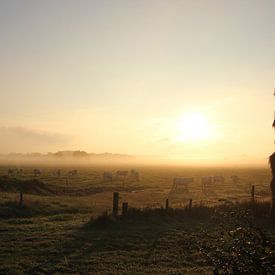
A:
{"x":115,"y":203}
{"x":167,"y":204}
{"x":253,"y":193}
{"x":21,"y":199}
{"x":124,"y":208}
{"x":190,"y":204}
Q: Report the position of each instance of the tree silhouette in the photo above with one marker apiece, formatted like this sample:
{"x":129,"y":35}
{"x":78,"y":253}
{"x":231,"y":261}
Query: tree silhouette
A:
{"x":272,"y":184}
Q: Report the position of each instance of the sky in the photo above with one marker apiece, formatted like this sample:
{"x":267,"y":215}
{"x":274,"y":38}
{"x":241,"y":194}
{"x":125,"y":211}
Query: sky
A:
{"x":135,"y":77}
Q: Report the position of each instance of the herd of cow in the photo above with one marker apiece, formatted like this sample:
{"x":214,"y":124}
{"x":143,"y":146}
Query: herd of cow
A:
{"x":121,"y":174}
{"x":181,"y":183}
{"x":107,"y":176}
{"x":37,"y":172}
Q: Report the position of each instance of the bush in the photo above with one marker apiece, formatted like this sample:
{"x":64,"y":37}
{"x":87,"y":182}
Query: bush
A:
{"x":241,"y":248}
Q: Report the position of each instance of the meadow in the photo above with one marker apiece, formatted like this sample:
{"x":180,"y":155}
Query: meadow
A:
{"x":65,"y":224}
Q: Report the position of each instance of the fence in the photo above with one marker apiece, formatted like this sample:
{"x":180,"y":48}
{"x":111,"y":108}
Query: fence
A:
{"x":125,"y":205}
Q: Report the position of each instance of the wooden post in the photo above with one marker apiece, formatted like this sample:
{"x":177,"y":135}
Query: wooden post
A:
{"x":167,"y":204}
{"x":115,"y":203}
{"x":21,"y":199}
{"x":124,"y":208}
{"x":190,"y":203}
{"x":253,"y":193}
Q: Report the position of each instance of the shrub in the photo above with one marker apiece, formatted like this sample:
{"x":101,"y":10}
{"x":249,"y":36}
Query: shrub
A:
{"x":241,"y":248}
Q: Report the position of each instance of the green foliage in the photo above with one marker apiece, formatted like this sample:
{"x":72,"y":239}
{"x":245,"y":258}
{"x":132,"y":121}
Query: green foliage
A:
{"x":241,"y":247}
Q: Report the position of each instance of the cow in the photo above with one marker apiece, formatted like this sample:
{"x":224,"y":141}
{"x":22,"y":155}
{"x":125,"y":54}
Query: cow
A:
{"x":58,"y":172}
{"x":20,"y":171}
{"x":37,"y":172}
{"x":107,"y":176}
{"x":235,"y":179}
{"x":206,"y":183}
{"x":182,"y":184}
{"x":11,"y":171}
{"x":72,"y":172}
{"x":15,"y":171}
{"x":218,"y":179}
{"x":134,"y":174}
{"x":121,"y":174}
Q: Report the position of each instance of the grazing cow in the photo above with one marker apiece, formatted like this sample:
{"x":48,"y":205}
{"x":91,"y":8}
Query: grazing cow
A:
{"x":15,"y":171}
{"x":107,"y":176}
{"x":235,"y":179}
{"x":37,"y":172}
{"x":181,"y":184}
{"x":135,"y":174}
{"x":206,"y":185}
{"x":58,"y":172}
{"x":206,"y":182}
{"x":11,"y":171}
{"x":72,"y":172}
{"x":20,"y":171}
{"x":121,"y":174}
{"x":218,"y":179}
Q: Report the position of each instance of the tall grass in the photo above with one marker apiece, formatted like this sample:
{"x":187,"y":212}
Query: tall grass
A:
{"x":200,"y":212}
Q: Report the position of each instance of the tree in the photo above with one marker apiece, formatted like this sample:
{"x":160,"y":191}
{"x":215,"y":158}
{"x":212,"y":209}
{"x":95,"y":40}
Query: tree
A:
{"x":272,"y":184}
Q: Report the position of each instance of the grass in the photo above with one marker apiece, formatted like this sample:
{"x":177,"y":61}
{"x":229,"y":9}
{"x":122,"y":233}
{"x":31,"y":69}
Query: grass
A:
{"x":38,"y":187}
{"x":257,"y":210}
{"x":11,"y":209}
{"x":64,"y":232}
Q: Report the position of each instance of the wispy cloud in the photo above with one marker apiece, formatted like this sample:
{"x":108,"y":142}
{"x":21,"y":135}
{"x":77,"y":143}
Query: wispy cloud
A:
{"x":20,"y":139}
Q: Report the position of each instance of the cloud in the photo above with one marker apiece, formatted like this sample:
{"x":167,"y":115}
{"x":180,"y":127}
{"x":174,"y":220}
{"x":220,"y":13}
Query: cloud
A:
{"x":20,"y":139}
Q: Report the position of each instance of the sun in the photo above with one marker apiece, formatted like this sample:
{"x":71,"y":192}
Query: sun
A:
{"x":194,"y":127}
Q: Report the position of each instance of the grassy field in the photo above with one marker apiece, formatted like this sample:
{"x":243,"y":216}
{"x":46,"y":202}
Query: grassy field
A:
{"x":53,"y":231}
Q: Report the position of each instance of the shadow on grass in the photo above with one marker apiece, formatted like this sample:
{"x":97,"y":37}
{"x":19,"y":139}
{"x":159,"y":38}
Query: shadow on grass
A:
{"x":162,"y":240}
{"x":35,"y":208}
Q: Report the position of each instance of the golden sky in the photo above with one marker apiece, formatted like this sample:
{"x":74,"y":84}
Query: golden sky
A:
{"x":181,"y":79}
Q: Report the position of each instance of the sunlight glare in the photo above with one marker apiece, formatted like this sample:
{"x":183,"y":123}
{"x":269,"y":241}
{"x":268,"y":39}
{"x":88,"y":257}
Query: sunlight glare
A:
{"x":194,"y":127}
